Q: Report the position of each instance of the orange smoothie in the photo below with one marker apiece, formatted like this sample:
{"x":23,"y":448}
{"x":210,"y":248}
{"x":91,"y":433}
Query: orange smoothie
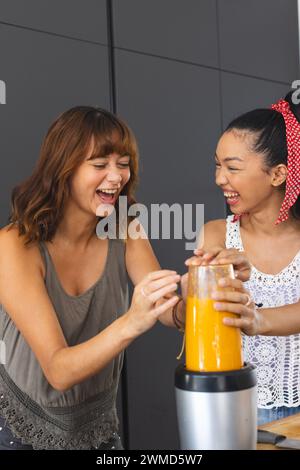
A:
{"x":210,"y":345}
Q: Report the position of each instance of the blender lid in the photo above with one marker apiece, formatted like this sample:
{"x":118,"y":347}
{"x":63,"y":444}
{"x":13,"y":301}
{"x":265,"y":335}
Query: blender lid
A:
{"x":218,"y":382}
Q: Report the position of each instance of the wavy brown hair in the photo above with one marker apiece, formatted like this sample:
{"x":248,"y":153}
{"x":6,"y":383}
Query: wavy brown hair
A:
{"x":37,"y":204}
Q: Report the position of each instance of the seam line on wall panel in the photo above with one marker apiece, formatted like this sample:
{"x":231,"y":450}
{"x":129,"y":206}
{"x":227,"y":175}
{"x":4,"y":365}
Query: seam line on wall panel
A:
{"x":220,"y":83}
{"x":27,"y":28}
{"x":219,"y":64}
{"x":210,"y":67}
{"x":111,"y":57}
{"x":113,"y":108}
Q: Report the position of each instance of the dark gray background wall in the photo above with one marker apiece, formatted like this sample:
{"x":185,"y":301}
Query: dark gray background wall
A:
{"x":177,"y":71}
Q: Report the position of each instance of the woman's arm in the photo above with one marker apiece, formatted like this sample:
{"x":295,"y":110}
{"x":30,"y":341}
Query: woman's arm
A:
{"x":140,"y":258}
{"x":140,"y":261}
{"x":279,"y":321}
{"x":24,"y":296}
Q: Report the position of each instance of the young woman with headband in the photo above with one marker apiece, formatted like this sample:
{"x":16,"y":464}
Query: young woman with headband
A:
{"x":258,"y":170}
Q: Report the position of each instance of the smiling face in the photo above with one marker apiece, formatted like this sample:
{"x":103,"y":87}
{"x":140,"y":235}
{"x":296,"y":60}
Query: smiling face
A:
{"x":242,"y":174}
{"x":99,"y":180}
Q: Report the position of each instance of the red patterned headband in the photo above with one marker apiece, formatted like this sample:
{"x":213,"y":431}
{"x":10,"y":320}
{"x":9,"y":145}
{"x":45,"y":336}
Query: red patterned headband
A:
{"x":292,"y":128}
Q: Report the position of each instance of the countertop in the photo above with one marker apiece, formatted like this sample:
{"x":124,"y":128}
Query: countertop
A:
{"x":289,"y":426}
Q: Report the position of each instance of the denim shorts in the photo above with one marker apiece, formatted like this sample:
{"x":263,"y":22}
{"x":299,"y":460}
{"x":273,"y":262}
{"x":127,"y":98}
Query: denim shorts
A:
{"x":266,"y":415}
{"x":10,"y":442}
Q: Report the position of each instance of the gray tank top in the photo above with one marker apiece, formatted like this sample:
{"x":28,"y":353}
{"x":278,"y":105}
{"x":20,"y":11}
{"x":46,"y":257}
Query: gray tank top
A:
{"x":85,"y":415}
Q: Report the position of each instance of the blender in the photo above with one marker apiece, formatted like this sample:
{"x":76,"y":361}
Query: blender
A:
{"x":215,"y":391}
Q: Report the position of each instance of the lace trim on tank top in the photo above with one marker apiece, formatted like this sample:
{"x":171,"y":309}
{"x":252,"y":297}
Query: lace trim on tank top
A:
{"x":277,"y":358}
{"x":60,"y":428}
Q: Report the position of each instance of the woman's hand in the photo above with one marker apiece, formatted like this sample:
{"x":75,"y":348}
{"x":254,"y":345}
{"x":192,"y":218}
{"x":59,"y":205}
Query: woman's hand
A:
{"x":236,"y":302}
{"x":146,"y":305}
{"x":220,"y":255}
{"x":184,"y":285}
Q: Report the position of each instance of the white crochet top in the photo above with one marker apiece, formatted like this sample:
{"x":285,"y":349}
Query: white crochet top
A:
{"x":277,"y":358}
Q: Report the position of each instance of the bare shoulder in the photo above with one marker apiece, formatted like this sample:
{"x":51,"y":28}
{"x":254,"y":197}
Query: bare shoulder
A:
{"x":213,"y":234}
{"x":12,"y":245}
{"x":218,"y":224}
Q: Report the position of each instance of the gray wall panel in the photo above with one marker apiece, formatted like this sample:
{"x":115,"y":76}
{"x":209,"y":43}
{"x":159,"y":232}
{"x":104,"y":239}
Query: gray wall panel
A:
{"x":259,"y":38}
{"x":174,"y":111}
{"x":171,"y":28}
{"x":241,"y":94}
{"x":75,"y":18}
{"x":44,"y":75}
